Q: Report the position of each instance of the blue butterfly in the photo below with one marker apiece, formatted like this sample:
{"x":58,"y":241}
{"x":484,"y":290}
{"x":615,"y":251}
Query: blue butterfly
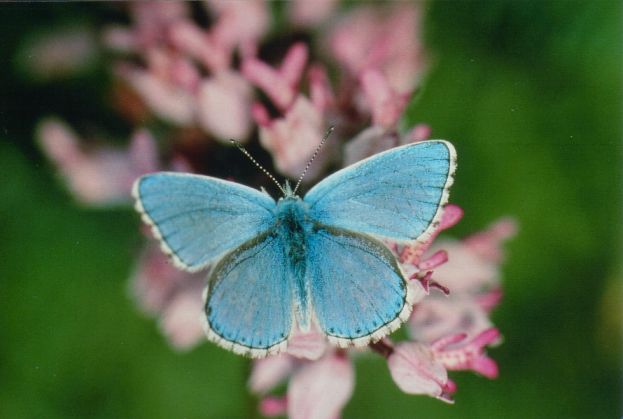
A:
{"x":276,"y":265}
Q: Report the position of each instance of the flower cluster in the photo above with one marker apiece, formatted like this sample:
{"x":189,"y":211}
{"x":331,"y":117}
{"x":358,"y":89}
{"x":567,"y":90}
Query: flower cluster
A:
{"x":245,"y":77}
{"x":448,"y":330}
{"x":211,"y":84}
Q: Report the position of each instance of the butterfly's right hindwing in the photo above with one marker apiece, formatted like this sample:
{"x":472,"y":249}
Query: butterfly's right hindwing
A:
{"x":199,"y":218}
{"x":358,"y":291}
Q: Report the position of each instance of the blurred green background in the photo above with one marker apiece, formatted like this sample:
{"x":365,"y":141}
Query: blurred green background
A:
{"x":531,"y":95}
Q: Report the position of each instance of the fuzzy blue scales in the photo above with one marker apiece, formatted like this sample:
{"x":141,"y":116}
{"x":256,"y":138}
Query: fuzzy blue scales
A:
{"x":294,"y":227}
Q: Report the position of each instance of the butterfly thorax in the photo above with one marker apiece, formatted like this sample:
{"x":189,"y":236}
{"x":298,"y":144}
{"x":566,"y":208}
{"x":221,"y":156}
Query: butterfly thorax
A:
{"x":293,"y":226}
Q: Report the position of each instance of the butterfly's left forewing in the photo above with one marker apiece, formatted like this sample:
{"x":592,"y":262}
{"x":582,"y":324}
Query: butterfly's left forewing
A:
{"x":249,"y":300}
{"x":358,"y":291}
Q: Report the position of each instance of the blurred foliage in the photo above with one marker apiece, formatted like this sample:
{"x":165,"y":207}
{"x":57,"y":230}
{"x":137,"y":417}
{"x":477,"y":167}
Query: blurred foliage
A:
{"x":530,"y":93}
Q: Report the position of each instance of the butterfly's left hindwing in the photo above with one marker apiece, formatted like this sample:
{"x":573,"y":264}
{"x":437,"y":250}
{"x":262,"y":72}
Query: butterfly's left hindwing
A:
{"x":199,"y":218}
{"x":249,"y":300}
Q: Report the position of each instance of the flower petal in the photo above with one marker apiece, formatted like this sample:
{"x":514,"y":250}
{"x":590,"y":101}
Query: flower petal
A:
{"x":435,"y":318}
{"x":239,"y":23}
{"x":168,"y":101}
{"x":462,"y":354}
{"x":320,"y":390}
{"x":293,"y":138}
{"x":381,"y":37}
{"x":294,"y":62}
{"x":224,"y":103}
{"x":273,"y":406}
{"x":181,"y":319}
{"x":488,"y":244}
{"x":311,"y":345}
{"x":310,"y":13}
{"x":269,"y":372}
{"x":102,"y":176}
{"x":368,"y":142}
{"x":385,"y":104}
{"x":280,"y":92}
{"x":415,"y":371}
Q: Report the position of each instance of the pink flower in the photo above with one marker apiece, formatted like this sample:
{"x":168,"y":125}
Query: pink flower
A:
{"x":416,"y":371}
{"x":280,"y":84}
{"x":237,"y":25}
{"x":472,"y":275}
{"x":151,"y":18}
{"x":173,"y":295}
{"x":376,"y":139}
{"x":488,"y":243}
{"x":321,"y":389}
{"x":58,"y":54}
{"x":100,"y":176}
{"x":438,"y":316}
{"x":273,"y":406}
{"x":317,"y":389}
{"x":180,"y":320}
{"x":321,"y":379}
{"x":412,"y":254}
{"x":269,"y":372}
{"x":221,"y":102}
{"x":310,"y":345}
{"x":292,"y":138}
{"x":456,"y":352}
{"x":240,"y":23}
{"x":176,"y":51}
{"x":310,"y":13}
{"x":474,"y":261}
{"x":223,"y":106}
{"x":382,"y":37}
{"x":150,"y":23}
{"x":167,"y":99}
{"x":385,"y":104}
{"x":200,"y":45}
{"x":166,"y":83}
{"x":422,"y":369}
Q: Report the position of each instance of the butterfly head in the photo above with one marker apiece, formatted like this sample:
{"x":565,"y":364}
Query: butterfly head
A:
{"x":287,"y":190}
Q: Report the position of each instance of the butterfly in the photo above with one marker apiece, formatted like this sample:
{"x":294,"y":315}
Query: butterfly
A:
{"x":275,"y":266}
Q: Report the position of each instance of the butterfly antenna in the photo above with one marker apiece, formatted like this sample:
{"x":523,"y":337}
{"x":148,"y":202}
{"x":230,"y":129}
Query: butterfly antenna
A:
{"x":324,"y":139}
{"x":246,"y":153}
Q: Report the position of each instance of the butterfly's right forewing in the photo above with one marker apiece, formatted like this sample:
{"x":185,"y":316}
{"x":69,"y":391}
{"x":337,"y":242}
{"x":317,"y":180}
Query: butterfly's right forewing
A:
{"x":199,"y":218}
{"x":398,"y":194}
